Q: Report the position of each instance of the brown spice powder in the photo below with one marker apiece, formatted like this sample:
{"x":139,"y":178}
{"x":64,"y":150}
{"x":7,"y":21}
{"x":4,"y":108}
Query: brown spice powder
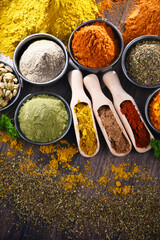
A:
{"x":114,"y":132}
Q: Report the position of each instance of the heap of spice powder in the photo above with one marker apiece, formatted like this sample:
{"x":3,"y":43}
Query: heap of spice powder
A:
{"x":58,"y":18}
{"x":154,"y":110}
{"x":87,"y":132}
{"x":143,"y":62}
{"x":143,"y":20}
{"x":95,"y":45}
{"x":141,"y":134}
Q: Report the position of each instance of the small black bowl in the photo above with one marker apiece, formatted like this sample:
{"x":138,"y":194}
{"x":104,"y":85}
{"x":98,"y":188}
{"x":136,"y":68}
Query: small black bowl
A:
{"x":117,"y":35}
{"x":14,"y":99}
{"x":23,"y":45}
{"x":28,"y":97}
{"x":147,"y":104}
{"x":127,"y":50}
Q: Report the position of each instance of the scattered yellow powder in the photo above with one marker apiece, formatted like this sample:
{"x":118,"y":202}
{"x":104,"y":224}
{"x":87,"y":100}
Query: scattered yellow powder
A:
{"x":20,"y":18}
{"x":10,"y":154}
{"x":72,"y":180}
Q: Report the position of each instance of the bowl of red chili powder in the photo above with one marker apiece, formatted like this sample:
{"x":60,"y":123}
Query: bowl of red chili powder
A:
{"x":95,"y":46}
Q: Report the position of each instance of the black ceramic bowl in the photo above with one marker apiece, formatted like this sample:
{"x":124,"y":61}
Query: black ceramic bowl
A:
{"x":14,"y":99}
{"x":126,"y":53}
{"x":117,"y":35}
{"x":147,"y":104}
{"x":28,"y":97}
{"x":22,"y":46}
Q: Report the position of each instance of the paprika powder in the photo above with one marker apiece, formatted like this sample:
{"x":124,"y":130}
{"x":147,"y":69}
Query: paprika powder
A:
{"x":95,"y":45}
{"x":141,"y":134}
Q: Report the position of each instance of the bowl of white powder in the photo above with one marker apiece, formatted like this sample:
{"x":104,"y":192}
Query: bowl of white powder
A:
{"x":40,"y":59}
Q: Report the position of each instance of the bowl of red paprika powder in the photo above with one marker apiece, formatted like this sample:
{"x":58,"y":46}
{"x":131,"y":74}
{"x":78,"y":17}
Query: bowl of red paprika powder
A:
{"x":95,"y":46}
{"x":152,"y":110}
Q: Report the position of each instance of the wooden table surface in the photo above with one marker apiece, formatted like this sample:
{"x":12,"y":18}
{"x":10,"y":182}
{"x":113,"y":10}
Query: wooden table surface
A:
{"x":99,"y":162}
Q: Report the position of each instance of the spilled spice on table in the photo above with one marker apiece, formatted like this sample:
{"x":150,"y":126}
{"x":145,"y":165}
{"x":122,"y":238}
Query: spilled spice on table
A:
{"x":67,"y":200}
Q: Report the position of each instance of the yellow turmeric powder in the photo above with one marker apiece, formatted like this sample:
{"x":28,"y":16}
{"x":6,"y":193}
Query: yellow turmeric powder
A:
{"x":88,"y":139}
{"x":95,"y":45}
{"x":20,"y":18}
{"x":154,"y":111}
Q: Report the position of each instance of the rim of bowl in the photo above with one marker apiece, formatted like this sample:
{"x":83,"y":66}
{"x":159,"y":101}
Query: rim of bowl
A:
{"x":22,"y":46}
{"x":28,"y":97}
{"x":19,"y":89}
{"x":148,"y":101}
{"x":125,"y":52}
{"x":116,"y":32}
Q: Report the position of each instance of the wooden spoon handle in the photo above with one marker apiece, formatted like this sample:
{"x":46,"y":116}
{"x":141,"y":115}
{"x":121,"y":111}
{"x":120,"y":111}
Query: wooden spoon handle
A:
{"x":112,"y":81}
{"x":75,"y":79}
{"x":92,"y":84}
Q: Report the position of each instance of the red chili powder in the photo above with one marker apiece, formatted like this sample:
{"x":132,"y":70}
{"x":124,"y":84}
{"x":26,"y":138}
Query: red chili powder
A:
{"x":141,"y":134}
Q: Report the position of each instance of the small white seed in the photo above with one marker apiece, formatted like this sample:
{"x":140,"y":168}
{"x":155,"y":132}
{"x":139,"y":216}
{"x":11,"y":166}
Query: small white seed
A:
{"x":8,"y":68}
{"x":14,"y":93}
{"x":1,"y":65}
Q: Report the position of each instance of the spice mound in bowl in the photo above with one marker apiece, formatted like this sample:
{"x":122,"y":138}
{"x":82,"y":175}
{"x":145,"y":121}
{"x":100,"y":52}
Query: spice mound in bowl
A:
{"x":43,"y":118}
{"x":41,"y":59}
{"x":95,"y":45}
{"x":141,"y":61}
{"x":10,"y":86}
{"x":152,"y":110}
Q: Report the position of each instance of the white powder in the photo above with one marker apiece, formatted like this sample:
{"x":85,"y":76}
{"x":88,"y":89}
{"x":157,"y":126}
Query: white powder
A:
{"x":42,"y":61}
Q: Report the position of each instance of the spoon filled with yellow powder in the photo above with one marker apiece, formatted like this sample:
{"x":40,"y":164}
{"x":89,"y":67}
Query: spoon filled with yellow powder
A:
{"x":83,"y":119}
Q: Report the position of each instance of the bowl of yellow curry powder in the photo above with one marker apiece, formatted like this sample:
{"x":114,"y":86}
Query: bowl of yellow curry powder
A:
{"x":43,"y":118}
{"x":95,"y":46}
{"x":41,"y":59}
{"x":152,"y":110}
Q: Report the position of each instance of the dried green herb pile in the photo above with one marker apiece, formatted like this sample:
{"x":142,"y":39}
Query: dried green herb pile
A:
{"x":84,"y":211}
{"x":143,"y":63}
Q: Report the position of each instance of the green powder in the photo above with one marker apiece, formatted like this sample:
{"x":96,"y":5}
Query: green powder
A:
{"x":43,"y":118}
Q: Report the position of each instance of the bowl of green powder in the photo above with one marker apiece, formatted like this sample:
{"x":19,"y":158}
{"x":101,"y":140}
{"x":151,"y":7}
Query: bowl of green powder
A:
{"x":95,"y":46}
{"x":141,"y":61}
{"x":41,"y":59}
{"x":43,"y":118}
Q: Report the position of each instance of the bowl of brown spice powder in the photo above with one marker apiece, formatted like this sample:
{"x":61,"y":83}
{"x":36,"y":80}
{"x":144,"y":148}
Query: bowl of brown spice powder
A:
{"x":141,"y":61}
{"x":95,"y":46}
{"x":41,"y":59}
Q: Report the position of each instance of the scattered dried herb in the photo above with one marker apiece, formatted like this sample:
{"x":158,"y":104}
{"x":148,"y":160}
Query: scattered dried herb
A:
{"x":7,"y":125}
{"x":71,"y":200}
{"x":143,"y":63}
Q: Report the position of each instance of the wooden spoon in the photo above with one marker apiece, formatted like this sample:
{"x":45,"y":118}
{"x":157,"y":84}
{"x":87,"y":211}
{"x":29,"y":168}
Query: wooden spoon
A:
{"x":75,"y":79}
{"x":92,"y":84}
{"x":111,"y":80}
